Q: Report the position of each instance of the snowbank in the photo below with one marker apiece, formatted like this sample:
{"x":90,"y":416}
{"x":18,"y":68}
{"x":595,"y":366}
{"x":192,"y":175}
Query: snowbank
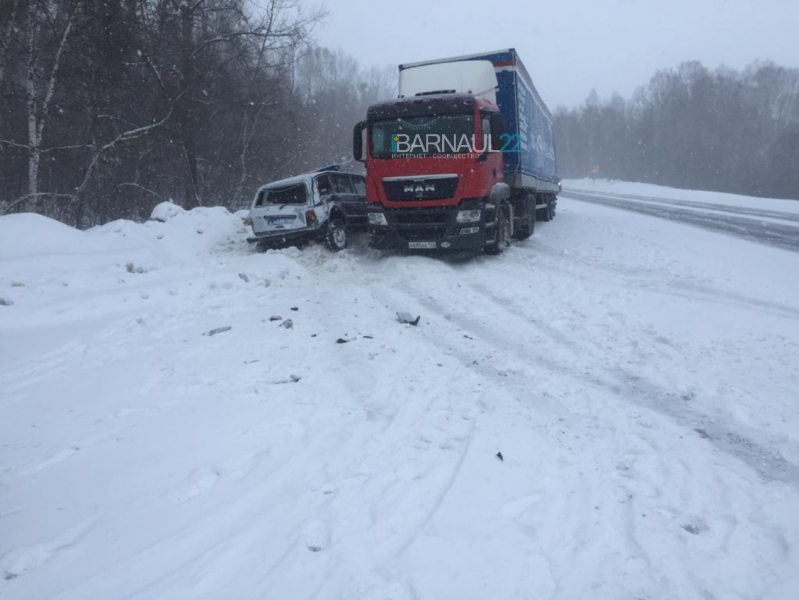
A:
{"x":28,"y":235}
{"x":165,"y":211}
{"x":41,"y":258}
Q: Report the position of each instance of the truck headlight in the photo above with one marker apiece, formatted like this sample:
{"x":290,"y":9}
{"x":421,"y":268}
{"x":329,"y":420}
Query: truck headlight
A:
{"x":377,"y":218}
{"x":468,"y":216}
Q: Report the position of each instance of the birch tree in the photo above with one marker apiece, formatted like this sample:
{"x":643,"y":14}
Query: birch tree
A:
{"x":39,"y":95}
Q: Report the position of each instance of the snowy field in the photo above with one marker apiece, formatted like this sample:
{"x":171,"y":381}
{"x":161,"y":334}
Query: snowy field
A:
{"x":638,"y":376}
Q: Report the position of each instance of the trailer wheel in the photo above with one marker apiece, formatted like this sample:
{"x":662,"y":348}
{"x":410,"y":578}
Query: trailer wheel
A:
{"x":547,"y":214}
{"x":543,"y":214}
{"x":501,"y":231}
{"x":527,"y":226}
{"x":336,"y":235}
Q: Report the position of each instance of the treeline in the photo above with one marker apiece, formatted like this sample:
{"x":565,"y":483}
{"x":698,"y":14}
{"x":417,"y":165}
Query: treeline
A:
{"x":690,"y":127}
{"x":109,"y":107}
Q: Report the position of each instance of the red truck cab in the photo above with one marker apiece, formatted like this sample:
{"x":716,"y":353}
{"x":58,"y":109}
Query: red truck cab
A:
{"x":434,"y":173}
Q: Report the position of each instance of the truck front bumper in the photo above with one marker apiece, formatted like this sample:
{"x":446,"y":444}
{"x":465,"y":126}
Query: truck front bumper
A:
{"x":428,"y":230}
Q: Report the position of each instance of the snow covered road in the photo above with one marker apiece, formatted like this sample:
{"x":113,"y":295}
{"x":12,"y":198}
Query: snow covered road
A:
{"x":777,"y":226}
{"x":638,"y":377}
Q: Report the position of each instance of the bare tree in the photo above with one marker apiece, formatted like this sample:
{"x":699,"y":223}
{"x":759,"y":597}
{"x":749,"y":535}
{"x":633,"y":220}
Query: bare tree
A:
{"x":6,"y":35}
{"x":112,"y":106}
{"x":38,"y":101}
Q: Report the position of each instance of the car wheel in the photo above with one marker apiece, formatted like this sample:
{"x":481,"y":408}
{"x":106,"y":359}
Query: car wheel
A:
{"x":336,"y":235}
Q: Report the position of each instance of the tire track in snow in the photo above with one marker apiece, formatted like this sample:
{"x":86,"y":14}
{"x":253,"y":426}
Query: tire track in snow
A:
{"x":641,"y":512}
{"x":21,"y":561}
{"x":726,"y":436}
{"x":395,"y":463}
{"x":582,"y":533}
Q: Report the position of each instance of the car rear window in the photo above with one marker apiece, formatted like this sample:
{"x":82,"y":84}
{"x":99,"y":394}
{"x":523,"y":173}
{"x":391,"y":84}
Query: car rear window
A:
{"x":290,"y":194}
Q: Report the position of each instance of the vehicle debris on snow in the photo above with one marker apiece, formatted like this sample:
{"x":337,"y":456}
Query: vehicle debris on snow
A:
{"x":405,"y":317}
{"x":218,"y":330}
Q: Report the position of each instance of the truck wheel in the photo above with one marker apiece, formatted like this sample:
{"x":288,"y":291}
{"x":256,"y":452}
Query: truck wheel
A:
{"x":546,"y":214}
{"x":527,"y":226}
{"x":501,"y":231}
{"x":336,"y":235}
{"x":552,"y":206}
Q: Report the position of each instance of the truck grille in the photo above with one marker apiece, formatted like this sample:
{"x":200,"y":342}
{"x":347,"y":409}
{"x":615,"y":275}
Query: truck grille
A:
{"x":421,"y":223}
{"x":420,"y":188}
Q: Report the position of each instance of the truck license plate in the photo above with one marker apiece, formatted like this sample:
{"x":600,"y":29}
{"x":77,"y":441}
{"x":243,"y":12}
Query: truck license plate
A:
{"x":421,"y":245}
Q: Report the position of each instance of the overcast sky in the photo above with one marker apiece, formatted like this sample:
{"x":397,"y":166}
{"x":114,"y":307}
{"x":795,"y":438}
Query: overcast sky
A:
{"x":569,"y":46}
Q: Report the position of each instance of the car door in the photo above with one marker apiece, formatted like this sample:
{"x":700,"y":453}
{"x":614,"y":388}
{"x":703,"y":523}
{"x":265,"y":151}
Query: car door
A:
{"x":351,"y":194}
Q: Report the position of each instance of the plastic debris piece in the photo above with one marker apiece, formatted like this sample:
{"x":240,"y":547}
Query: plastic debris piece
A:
{"x":341,"y":341}
{"x":287,"y":324}
{"x":499,"y":456}
{"x":218,"y":330}
{"x":408,"y":318}
{"x":275,"y":318}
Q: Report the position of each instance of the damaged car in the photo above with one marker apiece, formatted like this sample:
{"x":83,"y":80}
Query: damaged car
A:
{"x":326,"y":205}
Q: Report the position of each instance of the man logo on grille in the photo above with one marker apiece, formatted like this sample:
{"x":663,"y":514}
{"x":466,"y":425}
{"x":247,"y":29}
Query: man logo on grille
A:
{"x":419,"y":189}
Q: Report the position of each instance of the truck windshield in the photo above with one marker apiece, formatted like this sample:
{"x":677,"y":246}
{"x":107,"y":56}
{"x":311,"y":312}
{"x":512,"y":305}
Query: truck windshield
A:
{"x":290,"y":194}
{"x":410,"y":137}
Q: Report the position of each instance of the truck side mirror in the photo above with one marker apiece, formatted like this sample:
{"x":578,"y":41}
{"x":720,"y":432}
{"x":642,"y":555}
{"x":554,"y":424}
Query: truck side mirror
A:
{"x":497,"y":131}
{"x":359,"y":142}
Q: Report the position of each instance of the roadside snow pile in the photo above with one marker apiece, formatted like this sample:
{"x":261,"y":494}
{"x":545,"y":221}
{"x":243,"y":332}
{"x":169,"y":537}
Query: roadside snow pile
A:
{"x":39,"y":255}
{"x":180,"y":235}
{"x":29,"y":235}
{"x":165,"y":211}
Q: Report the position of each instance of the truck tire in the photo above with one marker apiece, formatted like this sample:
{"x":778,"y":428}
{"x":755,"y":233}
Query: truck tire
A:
{"x":336,"y":234}
{"x":553,"y":206}
{"x":545,"y":214}
{"x":527,"y":226}
{"x":501,"y":238}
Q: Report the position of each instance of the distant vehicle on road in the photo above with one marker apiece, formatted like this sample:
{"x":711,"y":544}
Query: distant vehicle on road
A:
{"x":326,"y":204}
